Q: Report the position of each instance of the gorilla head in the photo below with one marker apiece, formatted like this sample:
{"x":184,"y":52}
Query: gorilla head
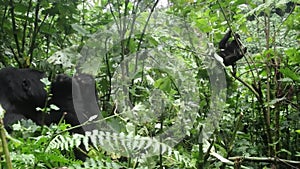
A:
{"x":21,"y":92}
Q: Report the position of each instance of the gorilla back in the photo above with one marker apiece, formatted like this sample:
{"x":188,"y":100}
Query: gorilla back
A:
{"x":21,"y":92}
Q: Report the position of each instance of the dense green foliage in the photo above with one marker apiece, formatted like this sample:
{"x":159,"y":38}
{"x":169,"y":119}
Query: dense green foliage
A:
{"x":259,"y":126}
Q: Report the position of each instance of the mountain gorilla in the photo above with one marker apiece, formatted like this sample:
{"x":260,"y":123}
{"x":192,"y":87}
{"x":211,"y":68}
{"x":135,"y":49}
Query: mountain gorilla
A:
{"x":231,"y":51}
{"x":77,"y":94}
{"x":21,"y":91}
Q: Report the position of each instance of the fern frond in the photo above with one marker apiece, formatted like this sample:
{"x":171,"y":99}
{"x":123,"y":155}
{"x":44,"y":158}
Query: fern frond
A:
{"x":125,"y":145}
{"x":95,"y":164}
{"x":128,"y":145}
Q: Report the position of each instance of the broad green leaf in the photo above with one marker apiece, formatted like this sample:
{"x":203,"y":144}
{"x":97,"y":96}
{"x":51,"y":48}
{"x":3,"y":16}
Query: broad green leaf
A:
{"x":289,"y":73}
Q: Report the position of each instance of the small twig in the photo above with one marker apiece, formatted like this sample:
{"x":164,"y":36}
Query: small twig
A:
{"x":269,"y":160}
{"x":256,"y":93}
{"x":25,"y":25}
{"x":142,"y":36}
{"x":14,"y":29}
{"x":5,"y":145}
{"x":35,"y":32}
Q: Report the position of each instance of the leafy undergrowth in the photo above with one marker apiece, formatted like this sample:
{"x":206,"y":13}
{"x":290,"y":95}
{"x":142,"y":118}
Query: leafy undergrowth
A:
{"x":33,"y":146}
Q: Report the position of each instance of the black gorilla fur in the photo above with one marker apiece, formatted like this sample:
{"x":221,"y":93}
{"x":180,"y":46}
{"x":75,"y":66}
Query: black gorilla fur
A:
{"x":231,"y":51}
{"x":21,"y":91}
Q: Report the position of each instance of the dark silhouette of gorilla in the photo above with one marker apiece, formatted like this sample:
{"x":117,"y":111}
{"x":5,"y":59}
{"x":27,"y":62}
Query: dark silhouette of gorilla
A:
{"x":21,"y":92}
{"x":231,"y":51}
{"x":77,"y":97}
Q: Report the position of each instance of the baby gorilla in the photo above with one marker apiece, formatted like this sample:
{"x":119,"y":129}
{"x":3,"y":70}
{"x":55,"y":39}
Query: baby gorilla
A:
{"x":21,"y":91}
{"x":231,"y":51}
